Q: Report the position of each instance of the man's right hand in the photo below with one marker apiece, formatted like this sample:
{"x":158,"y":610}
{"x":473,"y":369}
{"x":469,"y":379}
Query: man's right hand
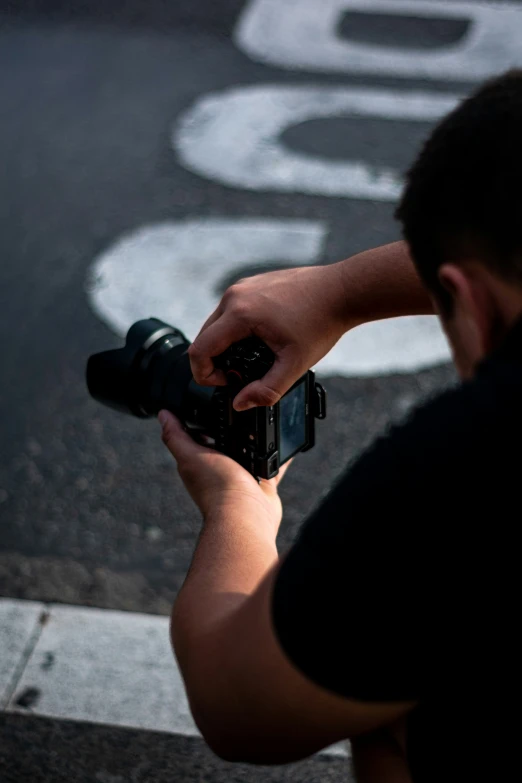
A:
{"x":299,"y":313}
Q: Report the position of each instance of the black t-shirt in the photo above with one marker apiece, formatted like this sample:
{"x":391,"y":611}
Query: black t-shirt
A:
{"x":404,"y":582}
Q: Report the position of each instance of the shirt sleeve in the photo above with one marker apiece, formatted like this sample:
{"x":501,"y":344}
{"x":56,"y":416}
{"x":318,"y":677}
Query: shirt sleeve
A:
{"x":363,"y":600}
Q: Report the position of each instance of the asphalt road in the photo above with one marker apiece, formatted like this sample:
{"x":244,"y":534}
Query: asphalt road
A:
{"x":92,"y":511}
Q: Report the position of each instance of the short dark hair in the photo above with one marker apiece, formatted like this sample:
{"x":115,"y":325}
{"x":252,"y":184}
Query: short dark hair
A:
{"x":463,"y":195}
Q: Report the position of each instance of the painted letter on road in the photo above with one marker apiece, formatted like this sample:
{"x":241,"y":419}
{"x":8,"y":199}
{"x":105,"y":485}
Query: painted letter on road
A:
{"x":233,"y":137}
{"x":301,"y":34}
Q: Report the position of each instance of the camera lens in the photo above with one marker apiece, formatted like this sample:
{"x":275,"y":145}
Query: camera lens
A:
{"x":151,"y":372}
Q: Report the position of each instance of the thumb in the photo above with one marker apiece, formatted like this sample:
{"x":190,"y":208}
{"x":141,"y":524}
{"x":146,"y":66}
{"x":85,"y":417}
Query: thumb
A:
{"x":270,"y":388}
{"x":175,"y":438}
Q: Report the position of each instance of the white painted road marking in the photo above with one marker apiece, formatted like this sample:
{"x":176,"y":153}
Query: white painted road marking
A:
{"x":19,"y":628}
{"x":173,"y":270}
{"x":102,"y":666}
{"x":405,"y":344}
{"x":234,"y":137}
{"x":302,"y":34}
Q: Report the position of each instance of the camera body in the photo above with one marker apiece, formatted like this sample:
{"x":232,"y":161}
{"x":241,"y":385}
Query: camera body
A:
{"x":152,"y":372}
{"x":264,"y":438}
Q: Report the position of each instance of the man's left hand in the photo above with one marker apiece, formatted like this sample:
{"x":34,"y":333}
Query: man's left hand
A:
{"x":215,"y":481}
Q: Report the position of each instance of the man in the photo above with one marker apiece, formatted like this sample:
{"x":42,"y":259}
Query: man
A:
{"x":392,"y":620}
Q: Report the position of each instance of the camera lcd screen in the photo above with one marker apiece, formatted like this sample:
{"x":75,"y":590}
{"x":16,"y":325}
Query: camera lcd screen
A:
{"x":292,"y":423}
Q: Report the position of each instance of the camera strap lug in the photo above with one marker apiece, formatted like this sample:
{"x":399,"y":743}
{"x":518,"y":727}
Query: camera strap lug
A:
{"x":319,"y":402}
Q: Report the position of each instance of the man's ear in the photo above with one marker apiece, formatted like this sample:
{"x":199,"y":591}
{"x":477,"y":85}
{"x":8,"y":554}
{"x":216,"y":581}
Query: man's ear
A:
{"x":474,"y":313}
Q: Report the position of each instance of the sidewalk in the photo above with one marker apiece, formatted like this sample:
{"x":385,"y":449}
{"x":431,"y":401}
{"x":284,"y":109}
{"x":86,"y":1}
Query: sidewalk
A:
{"x":82,"y":687}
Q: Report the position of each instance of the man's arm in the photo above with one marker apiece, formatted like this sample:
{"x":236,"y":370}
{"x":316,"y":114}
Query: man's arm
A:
{"x":249,"y":701}
{"x":382,"y":283}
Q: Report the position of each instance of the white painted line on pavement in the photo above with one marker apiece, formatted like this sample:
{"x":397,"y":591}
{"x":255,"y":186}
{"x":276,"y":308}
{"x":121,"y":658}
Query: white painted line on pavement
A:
{"x":233,"y":136}
{"x":19,"y":630}
{"x":303,"y":34}
{"x":106,"y":667}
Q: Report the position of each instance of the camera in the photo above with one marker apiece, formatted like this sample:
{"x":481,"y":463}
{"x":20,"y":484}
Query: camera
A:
{"x":152,"y":372}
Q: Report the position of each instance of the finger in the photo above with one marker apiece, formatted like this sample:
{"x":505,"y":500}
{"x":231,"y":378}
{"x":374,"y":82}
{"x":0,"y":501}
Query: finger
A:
{"x":194,"y":363}
{"x":269,"y":389}
{"x":282,"y":470}
{"x":176,"y":439}
{"x":216,"y":338}
{"x":273,"y":483}
{"x":218,"y":312}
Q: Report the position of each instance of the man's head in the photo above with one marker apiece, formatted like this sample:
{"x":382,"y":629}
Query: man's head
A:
{"x":462,"y":217}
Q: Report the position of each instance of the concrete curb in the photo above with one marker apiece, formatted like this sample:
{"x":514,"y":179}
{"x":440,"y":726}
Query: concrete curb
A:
{"x":95,"y":665}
